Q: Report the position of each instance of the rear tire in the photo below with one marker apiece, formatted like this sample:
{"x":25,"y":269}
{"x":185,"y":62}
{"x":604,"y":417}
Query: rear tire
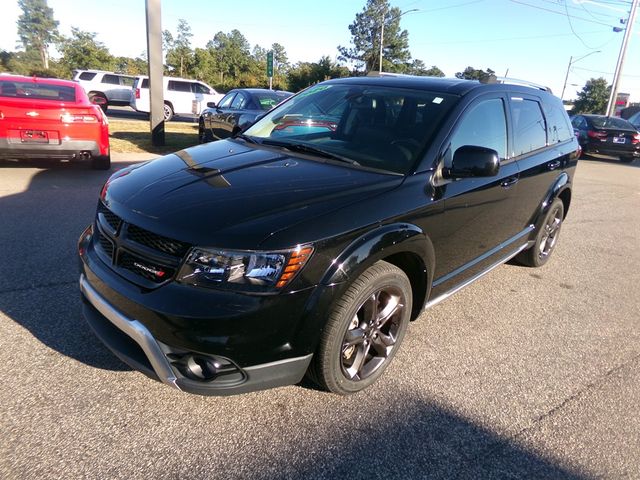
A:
{"x":364,"y":330}
{"x":546,"y":239}
{"x":167,"y":112}
{"x":627,"y":159}
{"x":103,"y":102}
{"x":101,"y":162}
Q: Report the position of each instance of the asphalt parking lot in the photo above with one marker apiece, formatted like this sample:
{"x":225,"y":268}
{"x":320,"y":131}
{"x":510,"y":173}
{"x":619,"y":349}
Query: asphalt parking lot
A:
{"x":524,"y":374}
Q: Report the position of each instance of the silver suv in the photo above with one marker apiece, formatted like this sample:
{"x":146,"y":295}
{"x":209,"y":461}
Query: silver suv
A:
{"x":105,"y":88}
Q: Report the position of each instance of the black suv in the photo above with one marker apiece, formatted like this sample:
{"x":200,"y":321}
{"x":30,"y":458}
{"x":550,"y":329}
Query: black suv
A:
{"x":307,"y":243}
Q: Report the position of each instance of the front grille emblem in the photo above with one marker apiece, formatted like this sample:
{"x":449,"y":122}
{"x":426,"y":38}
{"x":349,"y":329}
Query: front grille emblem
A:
{"x":146,"y":268}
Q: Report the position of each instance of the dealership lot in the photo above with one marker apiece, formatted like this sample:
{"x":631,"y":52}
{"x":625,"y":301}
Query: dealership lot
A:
{"x":525,"y":374}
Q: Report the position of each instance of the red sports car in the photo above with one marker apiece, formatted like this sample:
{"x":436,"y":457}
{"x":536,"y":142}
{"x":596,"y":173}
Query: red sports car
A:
{"x":50,"y":118}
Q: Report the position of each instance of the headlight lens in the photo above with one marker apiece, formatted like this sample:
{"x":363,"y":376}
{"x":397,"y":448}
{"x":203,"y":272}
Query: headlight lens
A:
{"x":243,"y":270}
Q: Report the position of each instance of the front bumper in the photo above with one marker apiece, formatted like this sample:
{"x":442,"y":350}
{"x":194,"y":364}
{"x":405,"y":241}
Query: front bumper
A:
{"x":134,"y":344}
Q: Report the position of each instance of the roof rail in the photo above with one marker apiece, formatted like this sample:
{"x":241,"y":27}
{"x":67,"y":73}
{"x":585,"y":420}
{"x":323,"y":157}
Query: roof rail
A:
{"x":515,"y":81}
{"x":375,"y":73}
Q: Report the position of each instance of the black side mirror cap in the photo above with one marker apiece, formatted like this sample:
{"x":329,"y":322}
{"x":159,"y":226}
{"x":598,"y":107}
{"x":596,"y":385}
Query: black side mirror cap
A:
{"x":211,"y":104}
{"x":473,"y":161}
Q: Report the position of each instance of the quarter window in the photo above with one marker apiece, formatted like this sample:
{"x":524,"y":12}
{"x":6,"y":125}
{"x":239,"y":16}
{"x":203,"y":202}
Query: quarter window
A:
{"x":529,"y":127}
{"x":558,"y":129}
{"x":484,"y":125}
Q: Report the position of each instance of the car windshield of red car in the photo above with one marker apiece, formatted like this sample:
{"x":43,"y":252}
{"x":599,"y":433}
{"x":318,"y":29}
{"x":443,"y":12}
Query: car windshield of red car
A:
{"x":39,"y":91}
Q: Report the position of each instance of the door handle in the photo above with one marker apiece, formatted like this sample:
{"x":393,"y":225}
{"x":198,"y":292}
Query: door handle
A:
{"x":553,"y":165}
{"x":508,"y":182}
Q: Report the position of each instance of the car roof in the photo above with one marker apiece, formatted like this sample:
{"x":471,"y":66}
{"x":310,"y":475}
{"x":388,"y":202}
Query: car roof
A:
{"x":260,"y":90}
{"x":50,"y":81}
{"x":455,"y":86}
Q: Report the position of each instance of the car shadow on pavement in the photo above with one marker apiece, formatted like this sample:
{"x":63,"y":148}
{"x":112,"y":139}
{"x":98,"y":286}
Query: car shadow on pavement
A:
{"x":416,"y":440}
{"x":39,"y":228}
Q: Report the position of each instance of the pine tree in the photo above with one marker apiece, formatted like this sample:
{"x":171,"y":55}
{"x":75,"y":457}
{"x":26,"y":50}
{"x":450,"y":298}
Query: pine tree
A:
{"x":37,"y":28}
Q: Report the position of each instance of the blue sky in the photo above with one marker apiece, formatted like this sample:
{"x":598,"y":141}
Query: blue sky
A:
{"x":532,"y":39}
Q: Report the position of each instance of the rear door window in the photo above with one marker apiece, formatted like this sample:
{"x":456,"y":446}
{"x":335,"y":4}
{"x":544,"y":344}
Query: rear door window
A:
{"x":199,"y":88}
{"x":111,"y":79}
{"x":529,"y":127}
{"x":178,"y":86}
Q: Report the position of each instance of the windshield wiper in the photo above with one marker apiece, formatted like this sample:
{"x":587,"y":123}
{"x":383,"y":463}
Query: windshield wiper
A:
{"x":246,"y":138}
{"x":305,"y":148}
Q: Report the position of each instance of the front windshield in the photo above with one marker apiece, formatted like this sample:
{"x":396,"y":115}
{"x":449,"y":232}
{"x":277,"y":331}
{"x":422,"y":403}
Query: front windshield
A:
{"x":379,"y":127}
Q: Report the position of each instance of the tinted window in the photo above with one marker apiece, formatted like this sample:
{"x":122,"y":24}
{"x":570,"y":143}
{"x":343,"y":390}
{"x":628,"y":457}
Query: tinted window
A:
{"x":483,"y":125}
{"x":635,"y":119}
{"x":87,"y":75}
{"x":40,"y":91}
{"x":558,"y":128}
{"x":145,"y":83}
{"x":239,"y":102}
{"x":226,"y":100}
{"x":126,"y":81}
{"x":529,"y":127}
{"x":179,"y":86}
{"x":111,"y":79}
{"x":199,"y":88}
{"x":611,"y":122}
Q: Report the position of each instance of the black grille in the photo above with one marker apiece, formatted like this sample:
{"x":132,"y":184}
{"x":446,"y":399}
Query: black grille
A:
{"x":105,"y":244}
{"x":112,"y":219}
{"x":153,"y":273}
{"x":153,"y":258}
{"x":157,"y":242}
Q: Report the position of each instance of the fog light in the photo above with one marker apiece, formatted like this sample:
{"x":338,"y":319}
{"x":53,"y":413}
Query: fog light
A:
{"x":207,"y":368}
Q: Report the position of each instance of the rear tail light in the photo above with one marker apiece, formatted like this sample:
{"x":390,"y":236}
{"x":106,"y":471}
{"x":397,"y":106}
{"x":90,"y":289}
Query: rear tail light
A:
{"x":137,"y":93}
{"x":597,"y":134}
{"x":70,"y":118}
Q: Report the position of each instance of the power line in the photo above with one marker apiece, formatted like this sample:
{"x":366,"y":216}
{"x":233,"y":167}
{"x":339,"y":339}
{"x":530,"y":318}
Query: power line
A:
{"x":561,"y":13}
{"x":532,"y":37}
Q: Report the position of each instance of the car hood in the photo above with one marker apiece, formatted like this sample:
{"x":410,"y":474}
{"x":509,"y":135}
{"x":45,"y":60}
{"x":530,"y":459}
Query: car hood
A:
{"x":229,"y":195}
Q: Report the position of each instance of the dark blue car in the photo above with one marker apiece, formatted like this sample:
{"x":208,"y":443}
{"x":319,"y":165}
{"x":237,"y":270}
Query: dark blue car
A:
{"x":237,"y":110}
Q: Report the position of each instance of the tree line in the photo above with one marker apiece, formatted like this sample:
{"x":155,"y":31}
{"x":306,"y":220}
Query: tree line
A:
{"x":228,"y":60}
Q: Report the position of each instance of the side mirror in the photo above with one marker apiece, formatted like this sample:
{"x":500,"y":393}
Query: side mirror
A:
{"x":211,"y":104}
{"x":473,"y":161}
{"x":98,"y":100}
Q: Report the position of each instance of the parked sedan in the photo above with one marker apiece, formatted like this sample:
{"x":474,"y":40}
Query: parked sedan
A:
{"x":50,"y":118}
{"x":237,"y":110}
{"x":608,"y":136}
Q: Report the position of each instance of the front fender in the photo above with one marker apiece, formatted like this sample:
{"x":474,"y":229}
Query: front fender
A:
{"x":381,"y":243}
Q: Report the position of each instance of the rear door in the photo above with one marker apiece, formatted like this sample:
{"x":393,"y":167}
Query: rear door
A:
{"x":537,"y":149}
{"x":180,"y":95}
{"x":479,"y":226}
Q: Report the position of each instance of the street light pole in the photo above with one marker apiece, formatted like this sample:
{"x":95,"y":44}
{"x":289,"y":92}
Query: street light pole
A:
{"x":611,"y":106}
{"x":382,"y":30}
{"x":571,"y":62}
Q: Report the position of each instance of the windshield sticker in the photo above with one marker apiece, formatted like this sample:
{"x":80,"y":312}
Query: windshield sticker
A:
{"x":438,"y":100}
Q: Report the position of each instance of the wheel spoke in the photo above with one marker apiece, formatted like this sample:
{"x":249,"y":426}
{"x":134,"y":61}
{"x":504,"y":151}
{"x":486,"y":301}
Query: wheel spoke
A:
{"x":361,"y":356}
{"x":354,"y":337}
{"x":383,"y":343}
{"x":390,"y":309}
{"x":370,"y":308}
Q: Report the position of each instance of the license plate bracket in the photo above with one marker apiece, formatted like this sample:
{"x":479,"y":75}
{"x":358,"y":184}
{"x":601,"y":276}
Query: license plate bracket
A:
{"x":34,"y":136}
{"x":619,"y":140}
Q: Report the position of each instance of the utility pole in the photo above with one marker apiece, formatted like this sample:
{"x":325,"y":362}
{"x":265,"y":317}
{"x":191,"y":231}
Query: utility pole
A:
{"x":154,"y":55}
{"x":571,"y":62}
{"x":384,"y":12}
{"x":611,"y":106}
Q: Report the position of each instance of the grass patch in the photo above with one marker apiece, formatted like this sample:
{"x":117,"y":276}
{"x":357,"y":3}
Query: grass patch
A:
{"x":134,"y":136}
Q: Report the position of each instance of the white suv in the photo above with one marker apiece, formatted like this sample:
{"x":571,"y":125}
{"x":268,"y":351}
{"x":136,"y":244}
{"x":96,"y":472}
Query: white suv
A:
{"x":105,"y":88}
{"x":181,"y":96}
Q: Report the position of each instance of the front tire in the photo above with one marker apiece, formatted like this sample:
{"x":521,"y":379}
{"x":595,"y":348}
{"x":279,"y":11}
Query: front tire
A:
{"x":364,"y":330}
{"x":546,"y":239}
{"x":204,"y":135}
{"x":628,"y":159}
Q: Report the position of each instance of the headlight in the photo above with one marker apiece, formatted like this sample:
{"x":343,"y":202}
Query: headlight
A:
{"x":246,"y":270}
